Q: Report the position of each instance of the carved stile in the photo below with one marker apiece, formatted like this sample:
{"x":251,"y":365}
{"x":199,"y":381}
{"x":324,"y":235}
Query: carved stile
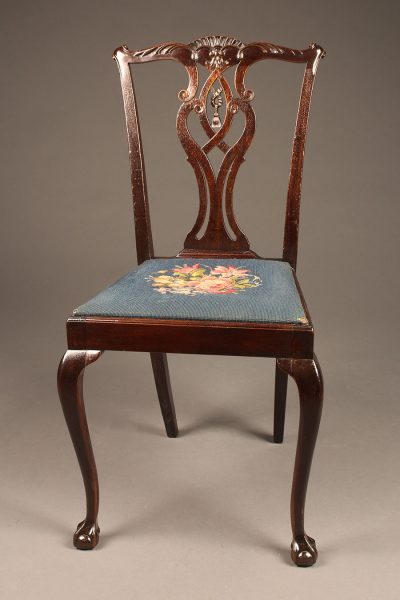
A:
{"x":216,"y":54}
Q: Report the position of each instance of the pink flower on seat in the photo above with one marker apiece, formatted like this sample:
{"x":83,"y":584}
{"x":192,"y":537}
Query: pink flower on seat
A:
{"x":187,"y":268}
{"x":229,"y":271}
{"x":214,"y":285}
{"x":191,"y":280}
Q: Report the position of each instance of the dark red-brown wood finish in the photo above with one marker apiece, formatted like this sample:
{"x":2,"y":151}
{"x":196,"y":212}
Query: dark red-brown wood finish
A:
{"x":217,"y":54}
{"x":291,"y":344}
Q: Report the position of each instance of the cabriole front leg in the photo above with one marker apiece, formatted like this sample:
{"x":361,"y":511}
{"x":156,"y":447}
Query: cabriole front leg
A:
{"x":70,"y":389}
{"x":308,"y":376}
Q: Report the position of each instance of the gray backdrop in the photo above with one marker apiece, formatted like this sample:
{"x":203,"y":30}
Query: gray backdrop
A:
{"x":206,"y":515}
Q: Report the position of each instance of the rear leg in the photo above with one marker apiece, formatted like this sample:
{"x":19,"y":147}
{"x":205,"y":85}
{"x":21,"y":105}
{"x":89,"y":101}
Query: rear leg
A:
{"x":163,"y":385}
{"x":281,"y":381}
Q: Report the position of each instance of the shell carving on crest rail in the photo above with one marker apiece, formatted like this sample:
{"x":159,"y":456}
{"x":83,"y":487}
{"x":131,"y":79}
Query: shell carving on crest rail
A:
{"x":217,"y":54}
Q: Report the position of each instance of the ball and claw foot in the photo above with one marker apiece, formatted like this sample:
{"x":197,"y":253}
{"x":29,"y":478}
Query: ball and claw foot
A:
{"x":304,"y":551}
{"x":86,"y":536}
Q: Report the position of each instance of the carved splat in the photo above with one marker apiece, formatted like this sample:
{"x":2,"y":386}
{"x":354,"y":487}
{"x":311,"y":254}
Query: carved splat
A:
{"x":216,"y":54}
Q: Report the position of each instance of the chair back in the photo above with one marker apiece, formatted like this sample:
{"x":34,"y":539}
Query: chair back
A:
{"x":216,"y":232}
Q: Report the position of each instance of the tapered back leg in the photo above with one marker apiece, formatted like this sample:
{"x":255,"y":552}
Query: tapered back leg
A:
{"x":70,"y":389}
{"x":308,"y":376}
{"x":163,"y":384}
{"x":281,"y":380}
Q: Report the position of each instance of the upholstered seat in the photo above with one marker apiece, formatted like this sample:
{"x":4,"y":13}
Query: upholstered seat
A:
{"x":250,"y":290}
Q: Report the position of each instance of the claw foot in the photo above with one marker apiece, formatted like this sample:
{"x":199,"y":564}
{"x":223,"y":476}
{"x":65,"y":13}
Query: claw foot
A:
{"x":86,"y":536}
{"x":304,"y":551}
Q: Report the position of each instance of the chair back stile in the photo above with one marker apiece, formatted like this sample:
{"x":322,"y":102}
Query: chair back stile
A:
{"x":143,"y":234}
{"x":291,"y":233}
{"x":222,"y":236}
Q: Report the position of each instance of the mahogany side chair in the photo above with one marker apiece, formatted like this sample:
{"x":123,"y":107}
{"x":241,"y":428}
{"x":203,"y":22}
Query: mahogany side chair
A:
{"x":216,"y":296}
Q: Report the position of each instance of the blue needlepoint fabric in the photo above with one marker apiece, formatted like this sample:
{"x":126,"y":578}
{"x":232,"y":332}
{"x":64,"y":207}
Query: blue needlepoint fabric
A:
{"x":251,"y":290}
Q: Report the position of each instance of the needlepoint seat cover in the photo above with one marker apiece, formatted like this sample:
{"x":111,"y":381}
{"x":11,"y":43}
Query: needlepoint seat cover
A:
{"x":248,"y":290}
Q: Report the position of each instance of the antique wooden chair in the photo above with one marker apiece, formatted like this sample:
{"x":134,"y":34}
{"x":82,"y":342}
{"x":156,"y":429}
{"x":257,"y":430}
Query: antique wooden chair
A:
{"x":216,"y":296}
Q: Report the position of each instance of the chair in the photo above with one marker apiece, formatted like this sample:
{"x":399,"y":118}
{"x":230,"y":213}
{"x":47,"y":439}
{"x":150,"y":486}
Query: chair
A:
{"x":216,"y":296}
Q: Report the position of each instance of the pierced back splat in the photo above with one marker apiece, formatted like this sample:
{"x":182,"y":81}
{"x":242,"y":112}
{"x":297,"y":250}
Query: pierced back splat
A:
{"x":216,"y":54}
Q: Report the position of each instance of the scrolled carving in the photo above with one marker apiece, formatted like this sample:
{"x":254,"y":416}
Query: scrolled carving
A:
{"x":216,"y":188}
{"x":259,"y":50}
{"x":169,"y":51}
{"x":199,"y":107}
{"x":317,"y":48}
{"x":216,"y":51}
{"x":217,"y":54}
{"x":216,"y":138}
{"x":216,"y":40}
{"x":159,"y":51}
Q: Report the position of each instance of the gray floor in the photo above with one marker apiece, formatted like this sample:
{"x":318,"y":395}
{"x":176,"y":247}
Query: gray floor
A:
{"x":205,"y":515}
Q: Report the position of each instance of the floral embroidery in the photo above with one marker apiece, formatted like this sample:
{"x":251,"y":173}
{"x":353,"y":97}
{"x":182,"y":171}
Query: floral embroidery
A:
{"x":191,"y":280}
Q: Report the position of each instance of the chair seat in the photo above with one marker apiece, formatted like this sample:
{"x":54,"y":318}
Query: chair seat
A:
{"x":241,"y":290}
